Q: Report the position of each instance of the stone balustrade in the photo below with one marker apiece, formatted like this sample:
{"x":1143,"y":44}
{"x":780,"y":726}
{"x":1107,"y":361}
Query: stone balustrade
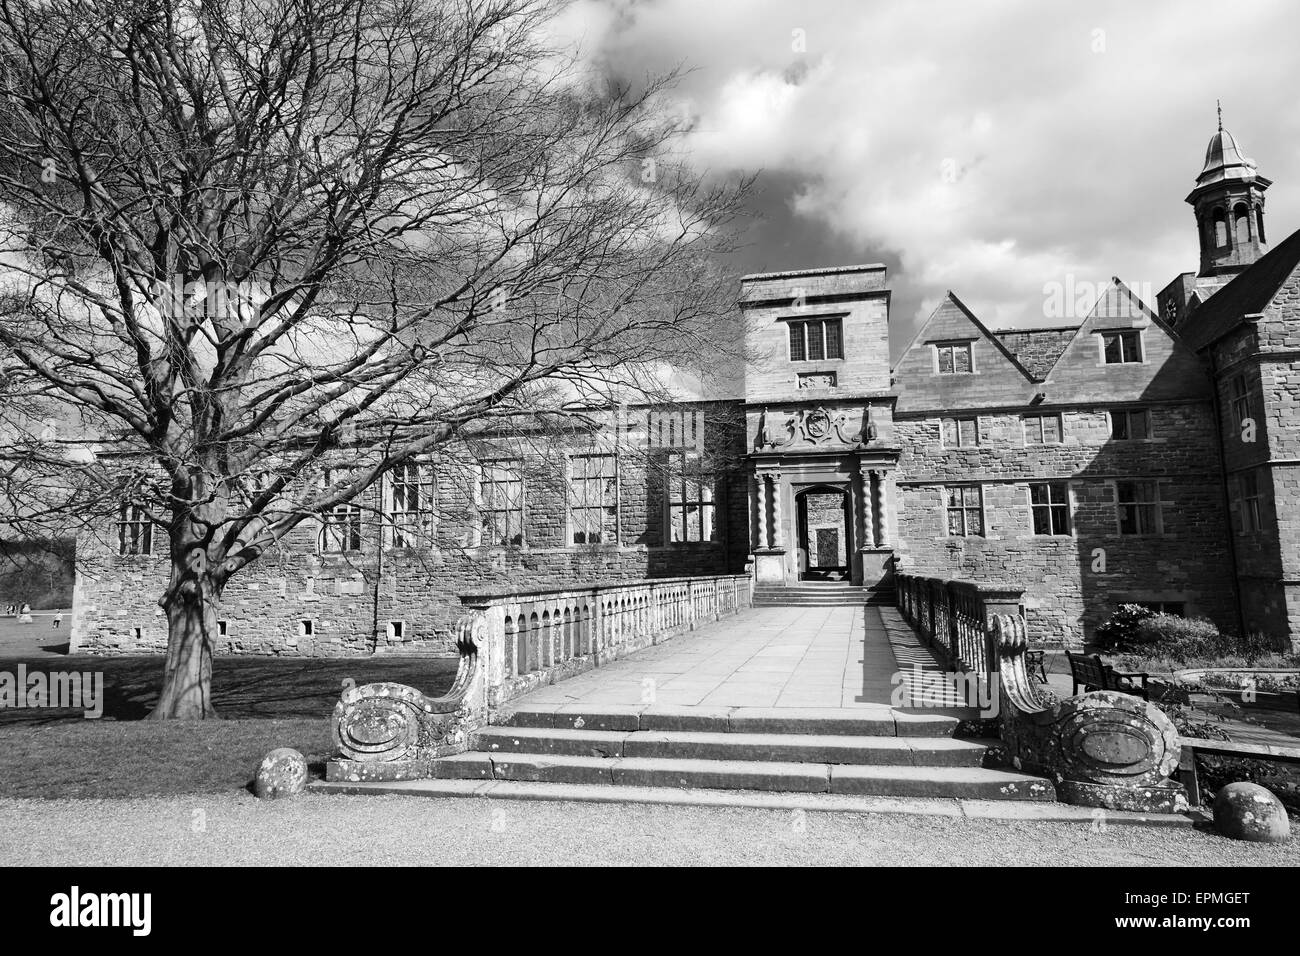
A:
{"x":509,"y":644}
{"x":956,"y":617}
{"x":1100,"y":749}
{"x":539,"y":637}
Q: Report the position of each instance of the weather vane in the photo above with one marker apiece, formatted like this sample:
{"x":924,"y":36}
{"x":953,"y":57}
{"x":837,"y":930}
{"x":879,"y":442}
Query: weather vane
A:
{"x":1218,"y":104}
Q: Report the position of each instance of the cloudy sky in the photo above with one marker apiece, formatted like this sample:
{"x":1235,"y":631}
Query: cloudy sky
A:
{"x":986,"y":147}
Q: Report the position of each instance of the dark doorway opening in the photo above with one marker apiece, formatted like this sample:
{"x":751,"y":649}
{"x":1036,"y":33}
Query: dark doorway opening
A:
{"x":825,"y":536}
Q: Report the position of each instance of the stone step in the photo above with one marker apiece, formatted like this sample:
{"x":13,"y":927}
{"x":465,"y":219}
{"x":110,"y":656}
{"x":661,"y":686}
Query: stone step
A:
{"x":785,"y":748}
{"x":812,"y":592}
{"x":786,"y":600}
{"x":823,"y":596}
{"x":868,"y":721}
{"x":805,"y":596}
{"x":1012,"y":811}
{"x":808,"y":602}
{"x":946,"y":782}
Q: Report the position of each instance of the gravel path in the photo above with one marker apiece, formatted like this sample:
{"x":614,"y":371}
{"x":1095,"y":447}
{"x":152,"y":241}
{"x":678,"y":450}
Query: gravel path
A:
{"x":326,"y":829}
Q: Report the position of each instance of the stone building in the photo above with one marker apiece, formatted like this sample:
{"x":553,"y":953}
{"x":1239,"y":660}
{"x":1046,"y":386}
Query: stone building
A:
{"x":1132,"y":456}
{"x":638,"y":493}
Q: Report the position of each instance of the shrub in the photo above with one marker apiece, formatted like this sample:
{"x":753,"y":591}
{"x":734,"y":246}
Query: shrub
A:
{"x":1190,"y":722}
{"x":1283,"y":779}
{"x":1179,"y":638}
{"x":1120,"y":631}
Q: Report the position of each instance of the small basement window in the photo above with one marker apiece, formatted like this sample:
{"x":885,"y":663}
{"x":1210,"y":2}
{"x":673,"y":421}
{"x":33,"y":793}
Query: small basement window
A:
{"x":396,"y":630}
{"x":223,"y":628}
{"x":137,"y":633}
{"x":306,"y":628}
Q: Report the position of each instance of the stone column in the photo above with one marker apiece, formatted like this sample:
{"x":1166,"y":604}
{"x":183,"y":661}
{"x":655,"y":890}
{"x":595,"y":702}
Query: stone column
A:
{"x":882,"y":506}
{"x":761,"y":495}
{"x":866,"y":516}
{"x":777,"y":537}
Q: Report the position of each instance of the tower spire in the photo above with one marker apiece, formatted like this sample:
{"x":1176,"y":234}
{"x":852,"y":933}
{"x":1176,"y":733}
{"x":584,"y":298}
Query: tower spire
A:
{"x":1218,"y":105}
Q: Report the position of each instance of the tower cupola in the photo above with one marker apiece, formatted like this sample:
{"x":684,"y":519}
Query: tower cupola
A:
{"x":1229,"y":204}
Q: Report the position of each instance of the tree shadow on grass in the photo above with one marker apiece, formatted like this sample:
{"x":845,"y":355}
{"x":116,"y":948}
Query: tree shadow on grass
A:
{"x":242,"y":688}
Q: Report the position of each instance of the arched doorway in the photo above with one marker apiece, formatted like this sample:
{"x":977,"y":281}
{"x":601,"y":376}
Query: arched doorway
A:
{"x":825,"y":536}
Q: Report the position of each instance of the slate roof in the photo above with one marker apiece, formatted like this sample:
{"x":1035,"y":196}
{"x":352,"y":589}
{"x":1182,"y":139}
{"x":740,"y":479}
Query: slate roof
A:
{"x":1249,"y":293}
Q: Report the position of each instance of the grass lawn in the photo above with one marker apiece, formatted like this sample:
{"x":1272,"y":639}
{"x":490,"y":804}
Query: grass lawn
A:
{"x":265,"y":703}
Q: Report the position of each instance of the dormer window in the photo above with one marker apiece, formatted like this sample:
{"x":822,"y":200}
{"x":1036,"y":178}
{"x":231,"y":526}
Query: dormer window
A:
{"x":1121,"y":348}
{"x":812,"y":340}
{"x":953,"y":358}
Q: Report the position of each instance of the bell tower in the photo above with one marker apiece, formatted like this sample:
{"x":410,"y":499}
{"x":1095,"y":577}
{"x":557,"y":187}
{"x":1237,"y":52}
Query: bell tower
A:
{"x":1229,"y":204}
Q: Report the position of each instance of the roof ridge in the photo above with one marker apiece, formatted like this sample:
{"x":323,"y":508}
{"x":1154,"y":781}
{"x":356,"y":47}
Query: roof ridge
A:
{"x":1249,"y":292}
{"x":1115,"y":283}
{"x":1011,"y":356}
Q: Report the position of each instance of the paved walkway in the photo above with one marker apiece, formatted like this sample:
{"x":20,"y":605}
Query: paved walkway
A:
{"x":760,"y":657}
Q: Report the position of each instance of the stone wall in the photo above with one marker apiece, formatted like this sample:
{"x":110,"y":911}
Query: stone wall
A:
{"x":1068,"y":590}
{"x":353,"y":600}
{"x":1264,"y":354}
{"x":1072,"y":582}
{"x":855,"y":295}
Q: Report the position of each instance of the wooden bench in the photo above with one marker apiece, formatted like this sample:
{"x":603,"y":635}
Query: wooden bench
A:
{"x":1091,"y":673}
{"x":1036,"y":665}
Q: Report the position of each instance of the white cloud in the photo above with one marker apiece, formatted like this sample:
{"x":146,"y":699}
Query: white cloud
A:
{"x":989,"y":148}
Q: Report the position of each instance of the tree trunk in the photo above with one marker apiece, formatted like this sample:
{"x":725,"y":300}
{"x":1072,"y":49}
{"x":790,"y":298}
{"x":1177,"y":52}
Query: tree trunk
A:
{"x":191,"y":630}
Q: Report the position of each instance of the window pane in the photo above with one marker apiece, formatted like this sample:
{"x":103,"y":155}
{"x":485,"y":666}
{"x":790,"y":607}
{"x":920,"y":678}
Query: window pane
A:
{"x":796,"y":342}
{"x":967,"y":432}
{"x":834,"y":343}
{"x":1138,"y":424}
{"x":1147,"y":519}
{"x":945,"y":359}
{"x":1051,"y":428}
{"x":1119,"y":425}
{"x":974,"y":524}
{"x":1113,"y":349}
{"x":961,"y":358}
{"x":1042,"y":521}
{"x":1060,"y":519}
{"x":1128,"y":520}
{"x":950,"y":432}
{"x":814,"y":340}
{"x":954,"y":522}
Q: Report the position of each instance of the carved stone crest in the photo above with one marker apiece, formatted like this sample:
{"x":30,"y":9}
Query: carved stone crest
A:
{"x":816,"y":426}
{"x":819,"y":425}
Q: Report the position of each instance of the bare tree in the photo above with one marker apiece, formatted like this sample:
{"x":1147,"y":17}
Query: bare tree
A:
{"x":241,"y":234}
